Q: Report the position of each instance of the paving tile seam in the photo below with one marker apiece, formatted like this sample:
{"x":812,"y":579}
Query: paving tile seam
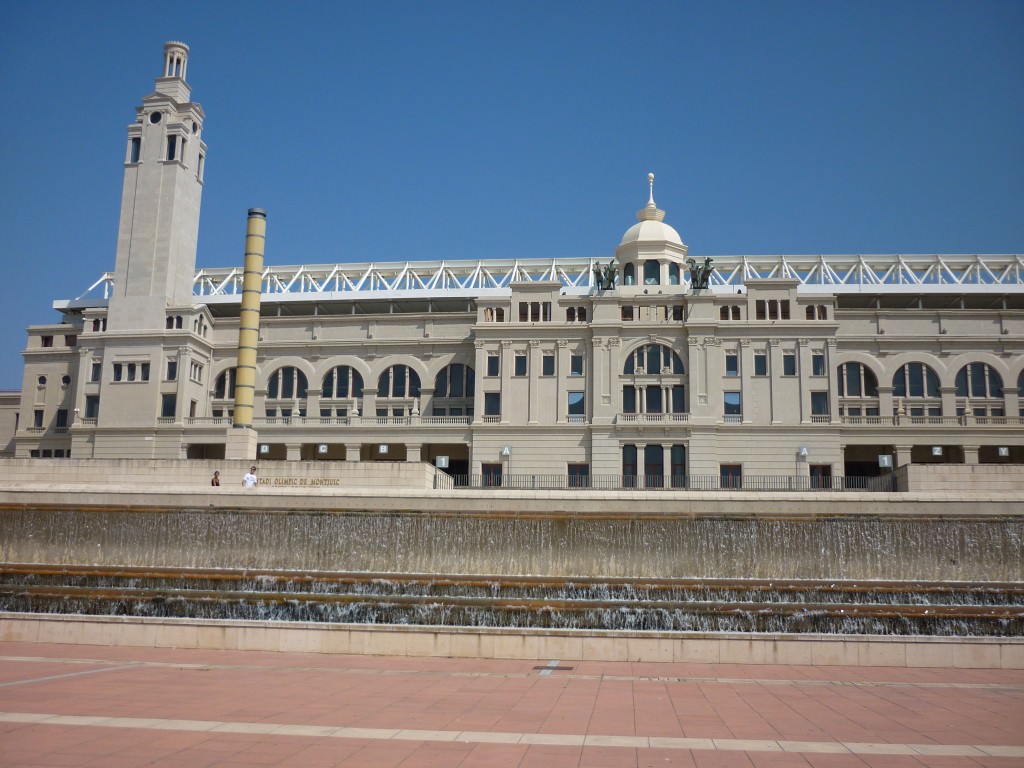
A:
{"x":47,"y":678}
{"x":502,"y":737}
{"x":541,"y":673}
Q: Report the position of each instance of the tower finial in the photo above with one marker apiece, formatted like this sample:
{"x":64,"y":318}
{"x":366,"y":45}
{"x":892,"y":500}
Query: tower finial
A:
{"x":650,"y":182}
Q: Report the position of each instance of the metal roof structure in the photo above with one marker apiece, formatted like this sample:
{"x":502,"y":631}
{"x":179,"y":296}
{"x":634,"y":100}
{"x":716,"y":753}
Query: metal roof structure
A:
{"x":829,"y":274}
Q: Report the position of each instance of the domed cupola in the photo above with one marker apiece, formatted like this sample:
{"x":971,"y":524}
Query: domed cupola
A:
{"x":651,"y":252}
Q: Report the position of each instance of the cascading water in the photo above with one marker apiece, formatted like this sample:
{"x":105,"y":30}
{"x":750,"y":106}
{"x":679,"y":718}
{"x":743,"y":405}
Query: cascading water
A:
{"x":858,"y":575}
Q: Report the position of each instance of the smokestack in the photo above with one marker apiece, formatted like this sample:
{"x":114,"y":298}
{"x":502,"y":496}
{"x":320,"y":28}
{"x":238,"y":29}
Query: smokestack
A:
{"x":249,"y":318}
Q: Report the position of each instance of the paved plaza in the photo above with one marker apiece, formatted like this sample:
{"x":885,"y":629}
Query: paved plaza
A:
{"x":74,"y":705}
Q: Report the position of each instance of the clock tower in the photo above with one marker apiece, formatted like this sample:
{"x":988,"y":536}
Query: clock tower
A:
{"x":163,"y":185}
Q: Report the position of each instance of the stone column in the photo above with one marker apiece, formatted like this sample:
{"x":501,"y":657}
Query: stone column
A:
{"x":352,"y":451}
{"x":971,"y":454}
{"x":413,"y":452}
{"x":294,"y":451}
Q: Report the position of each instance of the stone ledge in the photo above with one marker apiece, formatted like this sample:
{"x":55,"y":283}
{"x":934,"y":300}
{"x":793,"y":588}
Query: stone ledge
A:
{"x":526,"y":644}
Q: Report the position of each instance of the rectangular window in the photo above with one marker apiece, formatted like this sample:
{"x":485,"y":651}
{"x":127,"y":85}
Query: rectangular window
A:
{"x":818,"y":364}
{"x":172,"y":147}
{"x":577,"y":402}
{"x":131,"y":371}
{"x":819,"y":403}
{"x":144,"y":371}
{"x":784,"y":309}
{"x":730,"y":475}
{"x":677,"y":311}
{"x":46,"y":341}
{"x":733,"y":403}
{"x":37,"y":419}
{"x":652,"y":399}
{"x":492,"y":404}
{"x":92,"y":406}
{"x":678,"y":469}
{"x":491,"y":475}
{"x":172,"y":370}
{"x":520,"y":365}
{"x":629,"y":466}
{"x":168,"y":405}
{"x":789,"y":364}
{"x":195,"y":373}
{"x":678,"y":399}
{"x":524,"y":311}
{"x":493,"y":364}
{"x":62,"y":418}
{"x":760,"y":364}
{"x":95,"y":371}
{"x":118,"y":371}
{"x":579,"y":475}
{"x":199,"y":168}
{"x":627,"y":313}
{"x":732,"y":364}
{"x":629,"y":399}
{"x":759,"y":309}
{"x":135,"y":152}
{"x":70,"y":341}
{"x":576,"y":365}
{"x":548,"y":365}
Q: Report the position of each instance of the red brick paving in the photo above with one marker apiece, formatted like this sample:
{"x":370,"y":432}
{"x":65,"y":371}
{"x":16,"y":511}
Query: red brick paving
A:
{"x":466,"y":710}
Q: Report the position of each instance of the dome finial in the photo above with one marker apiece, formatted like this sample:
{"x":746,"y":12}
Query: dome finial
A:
{"x":650,"y":212}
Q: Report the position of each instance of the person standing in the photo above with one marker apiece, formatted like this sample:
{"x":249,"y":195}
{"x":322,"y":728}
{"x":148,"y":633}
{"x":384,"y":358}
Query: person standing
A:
{"x":215,"y":480}
{"x":249,"y":481}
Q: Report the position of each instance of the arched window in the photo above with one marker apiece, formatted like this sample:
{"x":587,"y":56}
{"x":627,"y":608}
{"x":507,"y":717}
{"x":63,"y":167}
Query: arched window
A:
{"x":673,"y":274}
{"x":581,"y":314}
{"x":398,"y":381}
{"x":735,"y":312}
{"x":224,"y":385}
{"x":664,"y":395}
{"x":342,"y":382}
{"x":170,"y":322}
{"x":822,"y":312}
{"x":809,"y":312}
{"x":723,"y":313}
{"x":979,"y":389}
{"x":287,"y":383}
{"x":570,"y":315}
{"x":652,"y":273}
{"x":629,"y":274}
{"x":915,"y":389}
{"x":454,"y":388}
{"x":652,"y":359}
{"x":857,"y":387}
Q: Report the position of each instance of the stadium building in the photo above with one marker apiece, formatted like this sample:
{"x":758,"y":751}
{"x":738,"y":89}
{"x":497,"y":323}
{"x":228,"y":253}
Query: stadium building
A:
{"x":646,"y":367}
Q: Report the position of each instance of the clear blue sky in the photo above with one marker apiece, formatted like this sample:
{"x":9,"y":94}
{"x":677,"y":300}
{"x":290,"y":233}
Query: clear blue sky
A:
{"x":419,"y":131}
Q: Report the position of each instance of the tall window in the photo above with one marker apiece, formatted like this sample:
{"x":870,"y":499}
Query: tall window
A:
{"x":732,"y":364}
{"x":493,"y":364}
{"x":492,"y":404}
{"x":732,"y":403}
{"x":664,"y":394}
{"x":915,"y":387}
{"x":576,"y":365}
{"x":652,"y":273}
{"x":577,"y":405}
{"x":398,"y":381}
{"x":224,"y":385}
{"x":287,"y":383}
{"x":858,"y":390}
{"x":979,"y":391}
{"x":454,"y":388}
{"x":342,"y":382}
{"x":520,"y":364}
{"x":629,"y":465}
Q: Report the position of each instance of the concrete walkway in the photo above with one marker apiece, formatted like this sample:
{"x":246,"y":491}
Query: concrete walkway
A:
{"x":67,"y":705}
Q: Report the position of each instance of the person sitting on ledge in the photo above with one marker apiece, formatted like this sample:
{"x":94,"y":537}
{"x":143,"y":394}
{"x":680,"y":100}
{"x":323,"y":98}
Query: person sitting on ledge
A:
{"x":249,"y":481}
{"x":215,"y":480}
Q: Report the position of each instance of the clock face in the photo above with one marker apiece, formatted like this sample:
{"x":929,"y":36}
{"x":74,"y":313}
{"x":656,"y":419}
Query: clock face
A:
{"x":154,"y":118}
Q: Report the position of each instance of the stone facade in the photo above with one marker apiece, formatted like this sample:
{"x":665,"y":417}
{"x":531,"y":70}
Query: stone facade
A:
{"x":653,"y":375}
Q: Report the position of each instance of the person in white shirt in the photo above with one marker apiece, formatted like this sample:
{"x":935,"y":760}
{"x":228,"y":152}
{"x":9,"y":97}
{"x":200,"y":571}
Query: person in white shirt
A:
{"x":249,"y":481}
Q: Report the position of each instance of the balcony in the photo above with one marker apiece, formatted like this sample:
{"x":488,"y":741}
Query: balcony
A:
{"x":339,"y":421}
{"x":903,"y":420}
{"x":652,"y":418}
